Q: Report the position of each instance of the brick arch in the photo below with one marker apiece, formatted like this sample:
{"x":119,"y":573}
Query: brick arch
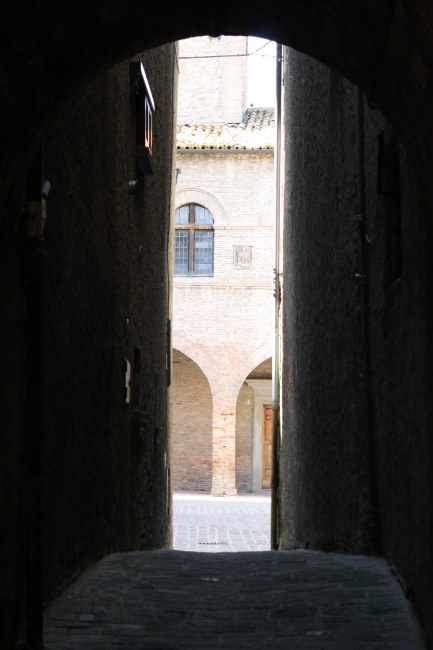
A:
{"x":206,"y":199}
{"x":199,"y":357}
{"x":196,"y":361}
{"x":231,"y":388}
{"x":246,"y":366}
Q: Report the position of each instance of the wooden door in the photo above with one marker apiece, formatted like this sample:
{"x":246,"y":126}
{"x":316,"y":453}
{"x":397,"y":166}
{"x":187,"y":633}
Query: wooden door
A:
{"x":267,"y":446}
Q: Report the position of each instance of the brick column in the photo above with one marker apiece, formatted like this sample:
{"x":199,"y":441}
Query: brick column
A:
{"x":224,"y":448}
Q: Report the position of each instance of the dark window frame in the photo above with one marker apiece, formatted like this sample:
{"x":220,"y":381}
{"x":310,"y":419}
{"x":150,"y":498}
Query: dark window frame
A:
{"x":192,"y":228}
{"x":144,"y":114}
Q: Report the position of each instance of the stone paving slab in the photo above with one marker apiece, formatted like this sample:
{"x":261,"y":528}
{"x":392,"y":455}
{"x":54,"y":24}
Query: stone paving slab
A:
{"x":210,"y":524}
{"x":291,"y":600}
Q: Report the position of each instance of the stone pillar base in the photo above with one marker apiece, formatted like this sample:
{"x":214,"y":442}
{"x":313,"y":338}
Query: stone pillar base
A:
{"x":226,"y":492}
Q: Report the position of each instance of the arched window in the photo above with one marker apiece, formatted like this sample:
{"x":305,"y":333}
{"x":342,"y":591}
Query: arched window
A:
{"x":194,"y":241}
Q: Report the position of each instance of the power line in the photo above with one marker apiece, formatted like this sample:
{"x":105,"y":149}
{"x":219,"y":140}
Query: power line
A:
{"x":261,"y":48}
{"x":228,"y":56}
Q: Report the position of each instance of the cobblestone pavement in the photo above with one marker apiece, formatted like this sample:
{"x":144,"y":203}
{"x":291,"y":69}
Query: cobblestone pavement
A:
{"x":216,"y":524}
{"x":291,"y":600}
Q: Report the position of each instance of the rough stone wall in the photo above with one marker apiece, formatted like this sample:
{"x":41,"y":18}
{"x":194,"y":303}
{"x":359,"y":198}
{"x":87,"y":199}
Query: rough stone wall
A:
{"x":106,"y":301}
{"x":217,"y":85}
{"x":192,"y":426}
{"x":356,"y":467}
{"x":244,"y":438}
{"x":11,"y":427}
{"x":402,"y":374}
{"x":104,"y":475}
{"x":326,"y":491}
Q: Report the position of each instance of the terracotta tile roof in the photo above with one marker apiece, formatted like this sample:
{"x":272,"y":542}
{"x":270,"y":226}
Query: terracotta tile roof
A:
{"x":256,"y":131}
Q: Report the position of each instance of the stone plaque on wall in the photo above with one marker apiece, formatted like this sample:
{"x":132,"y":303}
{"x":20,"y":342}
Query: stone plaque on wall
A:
{"x":242,"y":257}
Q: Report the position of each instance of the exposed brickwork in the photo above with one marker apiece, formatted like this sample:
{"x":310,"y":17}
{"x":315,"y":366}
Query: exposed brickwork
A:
{"x":227,"y":319}
{"x":216,"y":87}
{"x":192,"y":422}
{"x":224,"y":322}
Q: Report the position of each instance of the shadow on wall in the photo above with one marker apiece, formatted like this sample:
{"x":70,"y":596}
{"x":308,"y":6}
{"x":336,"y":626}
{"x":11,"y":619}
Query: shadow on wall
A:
{"x":191,"y":426}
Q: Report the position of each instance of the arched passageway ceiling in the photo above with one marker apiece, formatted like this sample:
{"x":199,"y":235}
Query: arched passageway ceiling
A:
{"x":50,"y":47}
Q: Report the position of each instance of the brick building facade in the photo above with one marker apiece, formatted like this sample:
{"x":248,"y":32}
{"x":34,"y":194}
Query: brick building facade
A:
{"x":222,"y":323}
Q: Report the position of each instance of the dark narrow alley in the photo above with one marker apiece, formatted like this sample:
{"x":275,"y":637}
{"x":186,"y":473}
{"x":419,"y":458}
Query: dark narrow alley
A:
{"x":87,"y":210}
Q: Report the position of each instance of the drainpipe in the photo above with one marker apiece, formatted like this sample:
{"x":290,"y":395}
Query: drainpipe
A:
{"x":362,"y":277}
{"x":276,"y":354}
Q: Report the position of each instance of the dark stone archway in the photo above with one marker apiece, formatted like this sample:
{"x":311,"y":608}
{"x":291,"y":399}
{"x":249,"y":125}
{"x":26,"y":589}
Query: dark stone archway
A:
{"x":50,"y":48}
